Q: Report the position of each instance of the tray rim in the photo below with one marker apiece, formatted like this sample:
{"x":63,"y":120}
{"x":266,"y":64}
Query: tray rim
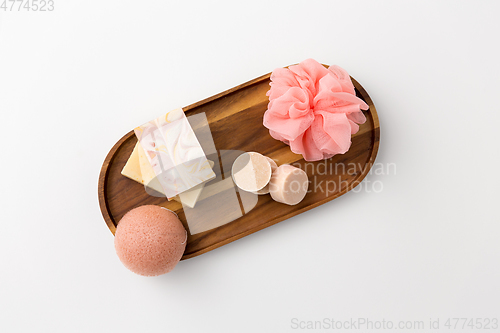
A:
{"x":112,"y":153}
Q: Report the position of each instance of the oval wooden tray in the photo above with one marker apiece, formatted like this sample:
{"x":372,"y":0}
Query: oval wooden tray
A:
{"x":235,"y":119}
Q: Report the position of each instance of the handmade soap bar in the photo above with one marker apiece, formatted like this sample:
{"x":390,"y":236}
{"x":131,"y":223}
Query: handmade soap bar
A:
{"x":176,"y":156}
{"x":274,"y":166}
{"x":190,"y":197}
{"x":138,"y":163}
{"x":138,"y":168}
{"x":251,"y":171}
{"x":288,"y":184}
{"x":132,"y":169}
{"x":148,"y":175}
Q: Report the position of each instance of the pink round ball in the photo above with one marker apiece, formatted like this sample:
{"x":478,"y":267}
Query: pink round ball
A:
{"x":150,"y":240}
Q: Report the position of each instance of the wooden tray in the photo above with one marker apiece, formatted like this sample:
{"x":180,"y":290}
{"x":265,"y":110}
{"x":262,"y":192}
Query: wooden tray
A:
{"x":235,"y":119}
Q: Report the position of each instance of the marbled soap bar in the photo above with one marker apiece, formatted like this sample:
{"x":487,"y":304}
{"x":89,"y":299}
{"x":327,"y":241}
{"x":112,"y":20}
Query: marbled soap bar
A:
{"x":174,"y":153}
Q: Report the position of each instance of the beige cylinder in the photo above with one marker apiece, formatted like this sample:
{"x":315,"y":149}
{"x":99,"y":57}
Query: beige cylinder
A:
{"x":288,"y":184}
{"x":251,"y":171}
{"x":274,"y":166}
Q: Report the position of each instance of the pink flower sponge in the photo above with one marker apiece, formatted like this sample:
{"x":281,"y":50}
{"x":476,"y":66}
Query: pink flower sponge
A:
{"x":150,"y":240}
{"x":313,"y":109}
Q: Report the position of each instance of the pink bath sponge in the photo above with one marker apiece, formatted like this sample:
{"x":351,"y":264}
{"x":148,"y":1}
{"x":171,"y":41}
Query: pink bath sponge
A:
{"x":313,"y":109}
{"x":150,"y":240}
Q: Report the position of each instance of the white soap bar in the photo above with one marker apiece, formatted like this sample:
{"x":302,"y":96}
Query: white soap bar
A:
{"x":190,"y":197}
{"x":132,"y":169}
{"x":174,"y":152}
{"x":138,"y":168}
{"x":251,"y":171}
{"x":288,"y":184}
{"x":148,"y":175}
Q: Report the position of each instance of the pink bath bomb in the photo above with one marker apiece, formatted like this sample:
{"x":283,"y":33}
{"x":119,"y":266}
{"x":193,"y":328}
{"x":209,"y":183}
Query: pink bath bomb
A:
{"x":150,"y":240}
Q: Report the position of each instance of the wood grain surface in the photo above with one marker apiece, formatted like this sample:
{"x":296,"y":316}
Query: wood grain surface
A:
{"x":235,"y":119}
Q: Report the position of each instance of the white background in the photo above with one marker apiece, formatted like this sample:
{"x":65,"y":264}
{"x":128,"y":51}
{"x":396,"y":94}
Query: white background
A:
{"x":74,"y":80}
